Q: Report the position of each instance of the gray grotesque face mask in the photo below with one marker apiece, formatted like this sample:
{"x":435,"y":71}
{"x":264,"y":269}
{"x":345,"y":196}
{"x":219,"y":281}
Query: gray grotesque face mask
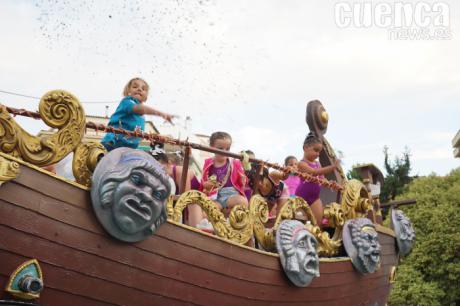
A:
{"x":405,"y":234}
{"x":129,"y":191}
{"x":297,"y":248}
{"x":361,"y":244}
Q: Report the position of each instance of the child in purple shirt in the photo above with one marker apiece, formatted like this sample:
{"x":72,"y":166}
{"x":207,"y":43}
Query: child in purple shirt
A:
{"x":309,"y":191}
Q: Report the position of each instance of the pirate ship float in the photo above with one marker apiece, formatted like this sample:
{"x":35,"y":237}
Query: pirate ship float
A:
{"x":59,"y":247}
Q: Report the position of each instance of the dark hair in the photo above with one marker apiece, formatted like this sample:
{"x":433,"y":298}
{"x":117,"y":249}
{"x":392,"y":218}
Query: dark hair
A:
{"x":287,"y":159}
{"x":219,"y":135}
{"x":158,"y":152}
{"x":311,"y":139}
{"x":249,"y":152}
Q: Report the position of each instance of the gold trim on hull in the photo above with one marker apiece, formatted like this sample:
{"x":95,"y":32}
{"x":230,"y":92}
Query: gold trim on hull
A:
{"x":9,"y":170}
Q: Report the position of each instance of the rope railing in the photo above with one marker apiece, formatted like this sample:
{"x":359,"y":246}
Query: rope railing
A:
{"x":185,"y":143}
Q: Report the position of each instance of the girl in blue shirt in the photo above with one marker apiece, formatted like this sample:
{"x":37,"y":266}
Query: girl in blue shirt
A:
{"x":129,"y":115}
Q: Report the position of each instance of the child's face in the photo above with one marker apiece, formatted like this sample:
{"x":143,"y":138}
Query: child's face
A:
{"x":311,"y":152}
{"x":292,"y":162}
{"x":138,"y":90}
{"x":221,"y":144}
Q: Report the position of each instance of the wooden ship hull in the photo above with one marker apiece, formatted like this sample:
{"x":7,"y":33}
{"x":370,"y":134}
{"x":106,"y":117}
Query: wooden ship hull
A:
{"x":51,"y":220}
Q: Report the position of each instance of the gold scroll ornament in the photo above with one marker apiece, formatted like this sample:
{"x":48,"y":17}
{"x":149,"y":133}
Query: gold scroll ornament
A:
{"x":8,"y":170}
{"x":58,"y":109}
{"x":266,"y":236}
{"x":238,"y":228}
{"x":355,"y":200}
{"x":85,"y":159}
{"x":243,"y":222}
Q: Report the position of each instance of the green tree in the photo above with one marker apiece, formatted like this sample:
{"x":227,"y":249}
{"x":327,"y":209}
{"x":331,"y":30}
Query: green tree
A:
{"x":430,"y":275}
{"x":354,"y":174}
{"x":397,"y":175}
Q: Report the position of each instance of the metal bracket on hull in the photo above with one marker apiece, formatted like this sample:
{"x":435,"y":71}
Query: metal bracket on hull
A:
{"x":26,"y":282}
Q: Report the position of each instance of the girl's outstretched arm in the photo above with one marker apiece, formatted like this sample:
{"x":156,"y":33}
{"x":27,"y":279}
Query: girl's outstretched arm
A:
{"x":278,"y":176}
{"x":305,"y":168}
{"x":143,"y":109}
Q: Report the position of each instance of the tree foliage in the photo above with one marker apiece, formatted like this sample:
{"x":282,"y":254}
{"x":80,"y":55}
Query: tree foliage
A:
{"x":430,"y":275}
{"x":354,"y":174}
{"x":397,"y":175}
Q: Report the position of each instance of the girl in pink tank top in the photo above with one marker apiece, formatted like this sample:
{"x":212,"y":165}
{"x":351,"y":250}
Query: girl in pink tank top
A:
{"x":293,"y":181}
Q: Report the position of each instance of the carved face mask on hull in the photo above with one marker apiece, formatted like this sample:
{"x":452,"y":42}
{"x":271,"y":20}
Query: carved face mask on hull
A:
{"x":361,"y":243}
{"x":128,"y":192}
{"x":405,"y":234}
{"x":297,"y":248}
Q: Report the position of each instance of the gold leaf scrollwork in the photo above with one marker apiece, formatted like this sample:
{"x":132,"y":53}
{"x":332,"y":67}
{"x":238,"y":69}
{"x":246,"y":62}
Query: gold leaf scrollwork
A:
{"x":291,"y":207}
{"x":170,"y":207}
{"x":392,"y":276}
{"x":355,"y":200}
{"x":8,"y":170}
{"x":326,"y":245}
{"x":85,"y":159}
{"x":258,"y":208}
{"x":334,"y":214}
{"x":58,"y":109}
{"x":238,"y":228}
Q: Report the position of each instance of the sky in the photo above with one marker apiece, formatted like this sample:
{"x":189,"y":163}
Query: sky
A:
{"x":250,"y":68}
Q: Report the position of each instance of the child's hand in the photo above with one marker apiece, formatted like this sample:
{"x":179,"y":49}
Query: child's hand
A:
{"x":208,"y":186}
{"x":291,"y":169}
{"x":337,"y":163}
{"x":169,"y":117}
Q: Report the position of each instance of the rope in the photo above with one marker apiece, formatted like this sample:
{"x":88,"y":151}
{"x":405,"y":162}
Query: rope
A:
{"x":185,"y":143}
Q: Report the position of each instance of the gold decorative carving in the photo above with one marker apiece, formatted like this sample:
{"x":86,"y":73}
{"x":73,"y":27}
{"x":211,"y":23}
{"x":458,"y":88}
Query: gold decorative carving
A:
{"x":8,"y":170}
{"x":58,"y":109}
{"x":85,"y":159}
{"x":170,"y":207}
{"x":355,"y":200}
{"x":355,"y":203}
{"x":334,"y":214}
{"x":324,"y":117}
{"x":258,"y":208}
{"x":291,"y":208}
{"x":326,"y":245}
{"x":392,"y":277}
{"x":266,"y":237}
{"x":238,"y":228}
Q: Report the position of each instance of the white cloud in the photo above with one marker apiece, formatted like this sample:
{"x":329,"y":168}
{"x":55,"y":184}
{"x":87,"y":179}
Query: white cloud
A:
{"x":432,"y":154}
{"x":245,"y":67}
{"x":267,"y":144}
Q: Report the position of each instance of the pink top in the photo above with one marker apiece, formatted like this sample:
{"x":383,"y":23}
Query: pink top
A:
{"x":292,"y":182}
{"x":237,"y":176}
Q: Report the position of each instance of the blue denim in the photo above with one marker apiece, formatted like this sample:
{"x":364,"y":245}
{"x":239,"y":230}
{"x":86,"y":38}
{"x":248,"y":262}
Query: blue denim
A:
{"x":224,"y":194}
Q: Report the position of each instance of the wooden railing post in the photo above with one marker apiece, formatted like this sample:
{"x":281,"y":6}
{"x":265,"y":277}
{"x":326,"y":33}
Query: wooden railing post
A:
{"x":183,"y":179}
